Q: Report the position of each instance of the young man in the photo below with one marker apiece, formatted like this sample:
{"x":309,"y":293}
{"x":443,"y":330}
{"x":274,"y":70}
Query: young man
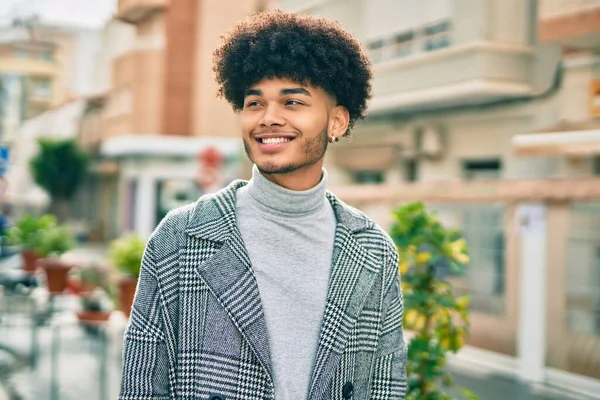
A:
{"x":273,"y":288}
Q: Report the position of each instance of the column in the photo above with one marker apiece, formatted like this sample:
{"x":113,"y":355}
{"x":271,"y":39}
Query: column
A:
{"x":145,"y":206}
{"x":532,"y":291}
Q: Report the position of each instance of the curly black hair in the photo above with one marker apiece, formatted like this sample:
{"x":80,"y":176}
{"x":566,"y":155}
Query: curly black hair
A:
{"x":306,"y":49}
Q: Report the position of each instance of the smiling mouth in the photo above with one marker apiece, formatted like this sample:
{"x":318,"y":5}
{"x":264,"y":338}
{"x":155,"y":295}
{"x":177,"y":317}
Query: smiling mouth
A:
{"x":274,"y":140}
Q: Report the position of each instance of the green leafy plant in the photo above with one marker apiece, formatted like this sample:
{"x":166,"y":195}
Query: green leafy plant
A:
{"x":55,"y":241}
{"x":28,"y":230}
{"x":93,"y":277}
{"x":60,"y":167}
{"x":126,"y":254}
{"x":438,"y":319}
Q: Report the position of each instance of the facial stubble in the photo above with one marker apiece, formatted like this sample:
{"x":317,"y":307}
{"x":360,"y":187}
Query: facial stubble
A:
{"x":313,"y":150}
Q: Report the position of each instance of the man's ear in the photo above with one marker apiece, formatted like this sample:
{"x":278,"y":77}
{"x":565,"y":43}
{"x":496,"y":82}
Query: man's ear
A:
{"x":339,"y":119}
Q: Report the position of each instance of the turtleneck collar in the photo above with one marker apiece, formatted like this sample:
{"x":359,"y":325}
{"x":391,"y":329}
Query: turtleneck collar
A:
{"x":272,"y":198}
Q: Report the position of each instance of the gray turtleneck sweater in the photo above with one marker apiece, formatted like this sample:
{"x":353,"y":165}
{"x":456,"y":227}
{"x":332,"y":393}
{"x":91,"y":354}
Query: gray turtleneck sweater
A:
{"x":289,"y":236}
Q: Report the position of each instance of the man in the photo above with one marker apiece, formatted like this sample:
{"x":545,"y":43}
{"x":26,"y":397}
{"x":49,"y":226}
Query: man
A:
{"x":273,"y":288}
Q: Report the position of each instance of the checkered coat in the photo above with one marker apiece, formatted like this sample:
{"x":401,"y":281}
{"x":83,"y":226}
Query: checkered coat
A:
{"x":197,"y":329}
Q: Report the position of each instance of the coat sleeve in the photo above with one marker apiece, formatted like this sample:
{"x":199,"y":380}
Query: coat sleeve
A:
{"x":145,"y":373}
{"x":389,"y":372}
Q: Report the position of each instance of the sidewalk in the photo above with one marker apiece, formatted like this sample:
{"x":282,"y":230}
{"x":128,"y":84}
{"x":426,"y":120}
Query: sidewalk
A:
{"x":81,"y":372}
{"x":74,"y":363}
{"x":491,"y":386}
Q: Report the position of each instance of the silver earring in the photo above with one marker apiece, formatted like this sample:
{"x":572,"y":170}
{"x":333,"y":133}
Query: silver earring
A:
{"x":334,"y":139}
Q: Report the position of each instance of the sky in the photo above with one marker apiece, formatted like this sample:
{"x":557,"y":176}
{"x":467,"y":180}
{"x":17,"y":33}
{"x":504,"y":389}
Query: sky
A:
{"x":84,"y":13}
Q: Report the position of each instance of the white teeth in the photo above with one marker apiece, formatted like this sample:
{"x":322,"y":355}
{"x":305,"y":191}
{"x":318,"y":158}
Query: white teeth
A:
{"x":275,"y":140}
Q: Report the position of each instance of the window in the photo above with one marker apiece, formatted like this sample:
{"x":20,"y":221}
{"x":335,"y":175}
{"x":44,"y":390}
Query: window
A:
{"x":482,"y":169}
{"x":42,"y":88}
{"x":411,"y":170}
{"x":582,"y":269}
{"x":46,"y":55}
{"x":20,"y":53}
{"x":484,"y":279}
{"x":437,"y":36}
{"x":377,"y":50}
{"x":402,"y":45}
{"x":368,"y":177}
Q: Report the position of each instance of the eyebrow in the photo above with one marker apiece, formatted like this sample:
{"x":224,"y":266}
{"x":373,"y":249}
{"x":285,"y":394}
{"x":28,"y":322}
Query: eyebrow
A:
{"x":283,"y":92}
{"x":298,"y":90}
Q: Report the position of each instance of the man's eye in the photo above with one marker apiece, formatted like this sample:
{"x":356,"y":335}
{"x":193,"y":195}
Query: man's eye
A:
{"x":293,"y":103}
{"x":252,"y":104}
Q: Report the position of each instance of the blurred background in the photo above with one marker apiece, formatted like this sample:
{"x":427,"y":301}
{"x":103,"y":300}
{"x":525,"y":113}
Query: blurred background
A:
{"x":486,"y":110}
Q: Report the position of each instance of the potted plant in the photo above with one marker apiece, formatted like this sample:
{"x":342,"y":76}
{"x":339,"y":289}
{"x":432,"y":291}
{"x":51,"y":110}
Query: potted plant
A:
{"x":54,"y":242}
{"x":96,"y":307}
{"x":126,"y":256}
{"x":85,"y":279}
{"x":27,"y":233}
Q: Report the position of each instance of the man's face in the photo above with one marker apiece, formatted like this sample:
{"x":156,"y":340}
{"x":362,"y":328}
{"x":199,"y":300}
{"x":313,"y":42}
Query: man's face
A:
{"x":285,"y":125}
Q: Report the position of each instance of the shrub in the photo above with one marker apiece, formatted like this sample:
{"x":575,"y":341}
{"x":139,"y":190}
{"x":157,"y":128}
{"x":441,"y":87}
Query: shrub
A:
{"x":438,"y":319}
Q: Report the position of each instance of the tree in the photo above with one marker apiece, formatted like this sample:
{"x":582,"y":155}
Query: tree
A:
{"x":60,"y":167}
{"x":439,"y":320}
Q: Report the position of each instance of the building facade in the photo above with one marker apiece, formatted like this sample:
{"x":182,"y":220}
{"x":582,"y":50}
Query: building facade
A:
{"x":161,"y":111}
{"x":468,"y":96}
{"x":40,"y":68}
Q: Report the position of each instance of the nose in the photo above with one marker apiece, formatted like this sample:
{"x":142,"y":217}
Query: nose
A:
{"x":272,"y":116}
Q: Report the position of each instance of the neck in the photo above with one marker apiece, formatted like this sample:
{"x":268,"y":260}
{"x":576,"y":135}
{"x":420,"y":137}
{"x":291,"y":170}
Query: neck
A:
{"x":304,"y":178}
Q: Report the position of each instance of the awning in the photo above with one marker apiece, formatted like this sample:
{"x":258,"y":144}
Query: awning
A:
{"x":566,"y":138}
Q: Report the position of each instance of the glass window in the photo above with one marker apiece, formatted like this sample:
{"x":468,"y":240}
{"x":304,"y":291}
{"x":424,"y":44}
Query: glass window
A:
{"x":377,"y":50}
{"x":402,"y":45}
{"x":46,"y":55}
{"x":484,"y":278}
{"x":368,"y":177}
{"x":411,"y":170}
{"x":21,"y":53}
{"x":482,"y":169}
{"x":42,"y":88}
{"x":582,"y":271}
{"x":437,"y":36}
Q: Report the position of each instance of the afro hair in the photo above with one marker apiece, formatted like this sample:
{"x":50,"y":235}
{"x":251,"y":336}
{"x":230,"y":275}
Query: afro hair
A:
{"x":305,"y":49}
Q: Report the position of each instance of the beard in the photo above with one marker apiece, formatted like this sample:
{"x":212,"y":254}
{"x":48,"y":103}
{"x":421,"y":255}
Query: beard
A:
{"x":313,"y":151}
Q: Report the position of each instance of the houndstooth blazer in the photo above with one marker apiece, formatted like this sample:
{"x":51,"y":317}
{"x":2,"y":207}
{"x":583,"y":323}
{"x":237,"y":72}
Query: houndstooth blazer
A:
{"x":197,"y":329}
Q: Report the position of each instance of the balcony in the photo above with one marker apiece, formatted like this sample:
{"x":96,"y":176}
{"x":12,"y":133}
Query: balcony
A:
{"x":32,"y":67}
{"x":457,"y":75}
{"x":134,"y":11}
{"x":574,"y":23}
{"x":124,"y":70}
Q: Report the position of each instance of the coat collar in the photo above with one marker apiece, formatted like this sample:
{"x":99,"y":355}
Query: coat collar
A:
{"x":213,"y":217}
{"x":228,"y":274}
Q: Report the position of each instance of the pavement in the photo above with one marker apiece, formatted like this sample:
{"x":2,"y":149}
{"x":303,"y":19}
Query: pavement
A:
{"x":75,"y":362}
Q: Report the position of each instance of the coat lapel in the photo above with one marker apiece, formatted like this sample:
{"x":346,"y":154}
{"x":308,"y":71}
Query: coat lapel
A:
{"x":229,"y":276}
{"x":228,"y":272}
{"x":353,"y":273}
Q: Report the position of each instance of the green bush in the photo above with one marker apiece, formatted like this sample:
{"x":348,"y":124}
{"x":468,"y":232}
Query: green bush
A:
{"x":439,"y":320}
{"x":126,"y":254}
{"x":55,"y":241}
{"x":28,"y":231}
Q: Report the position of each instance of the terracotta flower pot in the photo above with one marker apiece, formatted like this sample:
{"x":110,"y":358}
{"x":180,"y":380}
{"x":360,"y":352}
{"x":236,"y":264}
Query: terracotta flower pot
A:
{"x":93,"y":317}
{"x":127,"y":288}
{"x":29,"y":258}
{"x":57,"y":274}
